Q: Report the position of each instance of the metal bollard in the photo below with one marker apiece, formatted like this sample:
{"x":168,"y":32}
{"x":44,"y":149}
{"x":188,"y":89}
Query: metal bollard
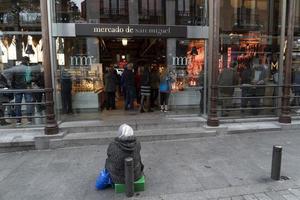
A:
{"x":129,"y":177}
{"x":276,"y":162}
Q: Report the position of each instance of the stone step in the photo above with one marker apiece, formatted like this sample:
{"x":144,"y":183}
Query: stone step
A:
{"x":97,"y":126}
{"x":100,"y":138}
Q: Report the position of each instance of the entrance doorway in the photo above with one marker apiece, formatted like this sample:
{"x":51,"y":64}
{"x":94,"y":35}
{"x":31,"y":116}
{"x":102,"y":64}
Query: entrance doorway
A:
{"x":82,"y":65}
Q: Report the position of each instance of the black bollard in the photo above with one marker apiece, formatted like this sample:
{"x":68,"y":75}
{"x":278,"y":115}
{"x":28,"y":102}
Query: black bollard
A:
{"x":276,"y":162}
{"x":129,"y":177}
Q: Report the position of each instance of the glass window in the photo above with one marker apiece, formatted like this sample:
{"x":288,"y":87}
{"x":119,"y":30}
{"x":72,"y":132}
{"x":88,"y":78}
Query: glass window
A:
{"x":191,"y":12}
{"x":249,"y":57}
{"x":92,"y":11}
{"x":295,"y":100}
{"x":151,"y":12}
{"x":21,"y":64}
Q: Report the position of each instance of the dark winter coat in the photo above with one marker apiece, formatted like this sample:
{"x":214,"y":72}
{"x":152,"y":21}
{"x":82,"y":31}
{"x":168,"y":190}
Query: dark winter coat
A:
{"x":117,"y":151}
{"x":128,"y":79}
{"x":110,"y":81}
{"x":227,"y":78}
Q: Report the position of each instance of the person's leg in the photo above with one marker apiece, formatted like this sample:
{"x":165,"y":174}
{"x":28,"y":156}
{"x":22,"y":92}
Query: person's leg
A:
{"x":142,"y":103}
{"x":162,"y":101}
{"x":107,"y":100}
{"x":127,"y":99}
{"x":131,"y":99}
{"x":113,"y":100}
{"x":69,"y":102}
{"x":201,"y":100}
{"x":18,"y":99}
{"x":29,"y":108}
{"x":166,"y":101}
{"x":148,"y":104}
{"x":64,"y":100}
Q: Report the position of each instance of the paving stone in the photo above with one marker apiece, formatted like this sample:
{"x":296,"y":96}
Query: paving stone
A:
{"x":249,"y":197}
{"x":296,"y":192}
{"x":262,"y":196}
{"x":275,"y":195}
{"x":290,"y":197}
{"x":237,"y":198}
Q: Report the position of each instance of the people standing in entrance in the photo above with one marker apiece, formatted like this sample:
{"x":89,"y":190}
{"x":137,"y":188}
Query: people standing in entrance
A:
{"x":154,"y":83}
{"x":22,"y":79}
{"x":165,"y":89}
{"x":145,"y":89}
{"x":66,"y":92}
{"x":129,"y":84}
{"x":110,"y":85}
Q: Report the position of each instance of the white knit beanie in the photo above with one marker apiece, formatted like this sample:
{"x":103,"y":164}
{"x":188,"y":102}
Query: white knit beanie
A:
{"x":125,"y":131}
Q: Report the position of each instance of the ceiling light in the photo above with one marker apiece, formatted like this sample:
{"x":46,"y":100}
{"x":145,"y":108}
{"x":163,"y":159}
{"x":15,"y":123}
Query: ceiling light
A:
{"x":124,"y":42}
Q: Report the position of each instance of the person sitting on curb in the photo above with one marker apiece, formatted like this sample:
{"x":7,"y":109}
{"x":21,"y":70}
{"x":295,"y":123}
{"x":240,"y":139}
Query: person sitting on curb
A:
{"x":124,"y":145}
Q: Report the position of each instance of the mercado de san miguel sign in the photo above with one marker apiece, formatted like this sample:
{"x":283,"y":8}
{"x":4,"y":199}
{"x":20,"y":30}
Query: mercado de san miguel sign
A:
{"x":113,"y":30}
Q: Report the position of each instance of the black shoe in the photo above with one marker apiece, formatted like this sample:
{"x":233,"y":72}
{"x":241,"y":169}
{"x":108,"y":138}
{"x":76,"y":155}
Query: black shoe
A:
{"x":150,"y":110}
{"x":142,"y":111}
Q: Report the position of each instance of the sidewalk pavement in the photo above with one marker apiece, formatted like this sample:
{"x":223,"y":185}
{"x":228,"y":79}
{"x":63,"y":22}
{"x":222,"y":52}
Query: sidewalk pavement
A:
{"x":235,"y":166}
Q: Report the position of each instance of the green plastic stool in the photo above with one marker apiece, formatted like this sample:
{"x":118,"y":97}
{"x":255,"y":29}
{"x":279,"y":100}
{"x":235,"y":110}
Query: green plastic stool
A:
{"x":139,"y":186}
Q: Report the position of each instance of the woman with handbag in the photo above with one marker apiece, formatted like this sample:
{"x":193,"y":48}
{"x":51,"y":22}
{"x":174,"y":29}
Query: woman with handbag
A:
{"x":164,"y":89}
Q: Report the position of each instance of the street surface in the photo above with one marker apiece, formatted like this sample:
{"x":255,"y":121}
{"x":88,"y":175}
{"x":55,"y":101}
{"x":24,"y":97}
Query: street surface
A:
{"x":224,"y":167}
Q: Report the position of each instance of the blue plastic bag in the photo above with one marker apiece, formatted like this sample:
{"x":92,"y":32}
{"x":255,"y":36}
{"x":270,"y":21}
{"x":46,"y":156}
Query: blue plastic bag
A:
{"x":103,"y":180}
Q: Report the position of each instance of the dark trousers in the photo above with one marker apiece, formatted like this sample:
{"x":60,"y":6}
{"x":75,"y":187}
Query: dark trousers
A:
{"x":66,"y":97}
{"x":129,"y":98}
{"x":153,"y":97}
{"x":110,"y":100}
{"x":29,"y":108}
{"x":245,"y":93}
{"x":164,"y":98}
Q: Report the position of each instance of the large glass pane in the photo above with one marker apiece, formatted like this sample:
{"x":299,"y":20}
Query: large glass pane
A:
{"x":295,"y":100}
{"x":91,"y":11}
{"x":21,"y":64}
{"x":192,"y":12}
{"x":249,"y":60}
{"x":87,"y":89}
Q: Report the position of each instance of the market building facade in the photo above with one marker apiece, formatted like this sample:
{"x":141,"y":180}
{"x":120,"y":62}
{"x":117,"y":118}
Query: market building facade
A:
{"x":224,"y":58}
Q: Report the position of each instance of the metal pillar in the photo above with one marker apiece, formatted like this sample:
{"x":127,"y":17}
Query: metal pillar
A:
{"x":129,"y":177}
{"x":276,"y":162}
{"x":51,"y":124}
{"x":214,"y":26}
{"x":285,"y":116}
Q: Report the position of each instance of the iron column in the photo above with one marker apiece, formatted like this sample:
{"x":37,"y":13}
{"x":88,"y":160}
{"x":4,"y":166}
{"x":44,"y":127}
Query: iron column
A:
{"x":214,"y":37}
{"x":51,"y":124}
{"x":285,"y":116}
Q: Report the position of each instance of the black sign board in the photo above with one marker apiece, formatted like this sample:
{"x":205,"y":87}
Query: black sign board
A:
{"x":114,"y":30}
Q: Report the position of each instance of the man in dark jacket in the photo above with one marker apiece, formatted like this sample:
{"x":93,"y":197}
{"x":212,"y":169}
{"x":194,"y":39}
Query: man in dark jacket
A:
{"x":125,"y":145}
{"x":22,"y":79}
{"x":110,"y":82}
{"x":129,"y":85}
